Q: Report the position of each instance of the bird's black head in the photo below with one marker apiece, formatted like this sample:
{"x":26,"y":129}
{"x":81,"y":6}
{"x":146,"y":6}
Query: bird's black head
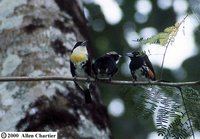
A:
{"x":80,"y":43}
{"x":135,"y":54}
{"x":114,"y":55}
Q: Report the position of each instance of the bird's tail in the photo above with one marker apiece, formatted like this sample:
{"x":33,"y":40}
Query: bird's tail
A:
{"x":87,"y":95}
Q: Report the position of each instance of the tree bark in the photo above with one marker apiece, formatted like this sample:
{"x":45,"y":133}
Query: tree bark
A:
{"x":36,"y":37}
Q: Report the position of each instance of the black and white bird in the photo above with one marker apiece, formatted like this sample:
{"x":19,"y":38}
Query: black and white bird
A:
{"x":106,"y":65}
{"x":80,"y":66}
{"x":141,"y":67}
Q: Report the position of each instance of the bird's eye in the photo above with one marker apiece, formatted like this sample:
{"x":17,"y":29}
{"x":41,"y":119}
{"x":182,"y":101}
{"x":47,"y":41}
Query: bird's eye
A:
{"x":83,"y":63}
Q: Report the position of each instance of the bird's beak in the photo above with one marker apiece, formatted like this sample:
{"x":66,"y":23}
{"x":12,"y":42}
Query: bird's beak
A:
{"x":129,"y":54}
{"x":84,"y":43}
{"x":120,"y":56}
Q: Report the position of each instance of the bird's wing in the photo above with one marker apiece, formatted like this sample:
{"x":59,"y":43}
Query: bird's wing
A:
{"x":151,"y":72}
{"x":72,"y":69}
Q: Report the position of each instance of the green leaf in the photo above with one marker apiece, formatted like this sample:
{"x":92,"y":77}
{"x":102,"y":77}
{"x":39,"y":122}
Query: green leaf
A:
{"x":162,"y":38}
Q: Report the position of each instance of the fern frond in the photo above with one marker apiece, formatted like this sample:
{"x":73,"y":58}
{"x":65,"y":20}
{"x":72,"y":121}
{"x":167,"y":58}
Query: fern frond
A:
{"x":166,"y":104}
{"x":172,"y":120}
{"x":192,"y":101}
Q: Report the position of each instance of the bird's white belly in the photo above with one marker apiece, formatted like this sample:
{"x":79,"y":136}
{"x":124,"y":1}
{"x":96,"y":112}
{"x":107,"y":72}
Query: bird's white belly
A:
{"x":80,"y":72}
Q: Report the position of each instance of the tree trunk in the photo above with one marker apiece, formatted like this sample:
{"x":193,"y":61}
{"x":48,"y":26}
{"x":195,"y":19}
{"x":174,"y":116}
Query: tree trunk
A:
{"x":36,"y":37}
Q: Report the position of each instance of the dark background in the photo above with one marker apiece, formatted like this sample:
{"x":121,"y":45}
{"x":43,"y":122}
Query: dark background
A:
{"x":106,"y":37}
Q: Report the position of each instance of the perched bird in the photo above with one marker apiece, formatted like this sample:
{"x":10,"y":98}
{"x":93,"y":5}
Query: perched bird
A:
{"x":106,"y":65}
{"x":141,"y":67}
{"x":80,"y":66}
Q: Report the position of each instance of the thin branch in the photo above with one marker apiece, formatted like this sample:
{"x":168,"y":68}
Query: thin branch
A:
{"x":163,"y":60}
{"x":187,"y":113}
{"x":171,"y":39}
{"x":103,"y":80}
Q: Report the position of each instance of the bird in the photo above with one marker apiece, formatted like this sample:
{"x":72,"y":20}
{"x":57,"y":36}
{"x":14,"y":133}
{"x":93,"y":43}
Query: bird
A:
{"x":80,"y":66}
{"x":106,"y":65}
{"x":140,"y":67}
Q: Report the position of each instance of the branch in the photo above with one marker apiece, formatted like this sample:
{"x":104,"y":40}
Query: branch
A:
{"x":170,"y":40}
{"x":187,"y":113}
{"x":103,"y":80}
{"x":163,"y":60}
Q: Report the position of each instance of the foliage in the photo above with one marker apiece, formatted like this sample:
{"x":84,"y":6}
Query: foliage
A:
{"x":192,"y":101}
{"x":162,"y":38}
{"x":173,"y":118}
